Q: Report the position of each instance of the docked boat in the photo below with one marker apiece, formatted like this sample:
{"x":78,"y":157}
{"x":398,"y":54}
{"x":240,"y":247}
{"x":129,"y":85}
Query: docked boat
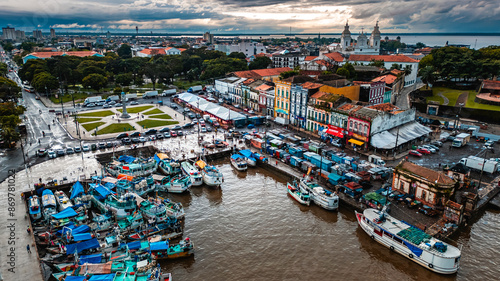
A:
{"x":166,"y":165}
{"x":249,"y":157}
{"x":131,"y":166}
{"x":238,"y":162}
{"x":162,"y":250}
{"x":49,"y":203}
{"x":210,"y":174}
{"x":78,"y":195}
{"x":154,"y":212}
{"x":300,"y":195}
{"x":410,"y":241}
{"x":174,"y":209}
{"x":319,"y":195}
{"x":102,"y":222}
{"x":62,"y":200}
{"x":138,"y":185}
{"x":34,"y":208}
{"x":189,"y":170}
{"x":131,"y":222}
{"x":177,"y":184}
{"x":122,"y":206}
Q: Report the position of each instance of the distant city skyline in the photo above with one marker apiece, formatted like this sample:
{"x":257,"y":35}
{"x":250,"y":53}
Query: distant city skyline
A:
{"x":252,"y":17}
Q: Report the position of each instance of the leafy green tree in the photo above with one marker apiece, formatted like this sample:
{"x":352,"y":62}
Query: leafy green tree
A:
{"x":427,"y":75}
{"x":95,"y":81}
{"x":125,"y":51}
{"x":377,"y":63}
{"x":343,"y":72}
{"x":420,"y":45}
{"x":9,"y":135}
{"x":351,"y":72}
{"x":31,"y":68}
{"x":124,"y":79}
{"x":220,"y":66}
{"x":4,"y":69}
{"x":18,"y":60}
{"x":44,"y":81}
{"x":260,"y":63}
{"x":395,"y":66}
{"x":426,"y":61}
{"x":28,"y":46}
{"x":237,"y":55}
{"x":288,"y":74}
{"x":8,"y":47}
{"x":8,"y":89}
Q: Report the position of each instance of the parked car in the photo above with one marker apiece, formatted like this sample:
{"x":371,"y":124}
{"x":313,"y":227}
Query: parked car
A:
{"x":432,"y":150}
{"x":70,"y":150}
{"x":134,"y":103}
{"x":180,"y":133}
{"x":77,"y":149}
{"x":152,"y":138}
{"x":106,"y":106}
{"x":174,"y":106}
{"x":126,"y":141}
{"x":203,"y":129}
{"x":173,"y":133}
{"x":166,"y":129}
{"x":437,"y":143}
{"x":159,"y":136}
{"x":86,"y":148}
{"x":101,"y":145}
{"x":166,"y":135}
{"x":52,"y":154}
{"x":191,"y":115}
{"x":186,"y":109}
{"x":423,"y":150}
{"x":433,"y":146}
{"x":60,"y":152}
{"x":187,"y":125}
{"x":135,"y":135}
{"x":121,"y":136}
{"x":41,"y":152}
{"x":109,"y":144}
{"x":135,"y":140}
{"x":209,"y":129}
{"x":118,"y":105}
{"x":415,"y":153}
{"x":142,"y":139}
{"x":91,"y":104}
{"x":93,"y":147}
{"x":151,"y":132}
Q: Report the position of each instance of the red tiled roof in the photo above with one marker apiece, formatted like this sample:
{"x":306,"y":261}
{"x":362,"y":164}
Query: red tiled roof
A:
{"x":310,"y":58}
{"x":429,"y":174}
{"x":491,"y":85}
{"x":318,"y":95}
{"x":46,"y":54}
{"x":261,"y":72}
{"x":386,"y":107}
{"x":81,"y":53}
{"x":385,"y":58}
{"x":396,"y":71}
{"x":311,"y":85}
{"x":322,"y":62}
{"x":264,"y":87}
{"x":388,"y":79}
{"x":248,"y":82}
{"x":153,"y":51}
{"x":336,"y":56}
{"x":262,"y":55}
{"x":54,"y":54}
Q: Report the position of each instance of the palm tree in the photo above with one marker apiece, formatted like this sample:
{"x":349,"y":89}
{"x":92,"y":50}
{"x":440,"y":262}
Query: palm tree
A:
{"x":9,"y":135}
{"x":427,"y":75}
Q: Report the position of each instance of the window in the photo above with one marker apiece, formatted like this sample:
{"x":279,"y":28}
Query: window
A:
{"x":424,"y":195}
{"x":366,"y":130}
{"x":350,"y":125}
{"x":355,"y":127}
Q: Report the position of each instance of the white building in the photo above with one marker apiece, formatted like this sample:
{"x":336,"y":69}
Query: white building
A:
{"x":401,"y":60}
{"x":248,"y":48}
{"x":363,"y":46}
{"x":8,"y":33}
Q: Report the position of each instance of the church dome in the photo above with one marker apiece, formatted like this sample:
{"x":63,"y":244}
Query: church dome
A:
{"x":346,"y":30}
{"x":376,"y":31}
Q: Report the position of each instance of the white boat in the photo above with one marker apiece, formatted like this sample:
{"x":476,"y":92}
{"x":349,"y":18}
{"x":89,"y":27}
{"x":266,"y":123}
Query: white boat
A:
{"x":166,"y":165}
{"x":320,"y":196}
{"x":300,"y":195}
{"x":49,"y":203}
{"x":35,"y":208}
{"x":210,"y":174}
{"x":410,"y":241}
{"x":177,"y":184}
{"x":238,"y":162}
{"x":102,"y":222}
{"x":62,"y":200}
{"x":249,"y":157}
{"x":131,"y":166}
{"x":189,"y":170}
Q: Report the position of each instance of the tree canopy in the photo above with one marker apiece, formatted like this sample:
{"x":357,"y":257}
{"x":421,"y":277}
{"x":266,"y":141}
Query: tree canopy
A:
{"x":260,"y":63}
{"x":95,"y":81}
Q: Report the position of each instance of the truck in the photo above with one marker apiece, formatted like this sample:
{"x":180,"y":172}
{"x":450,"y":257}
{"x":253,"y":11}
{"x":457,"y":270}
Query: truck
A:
{"x":461,"y":140}
{"x":195,"y":89}
{"x":150,"y":94}
{"x":113,"y":98}
{"x":481,"y":164}
{"x":377,"y":160}
{"x":130,"y":97}
{"x":92,"y":100}
{"x":168,"y":92}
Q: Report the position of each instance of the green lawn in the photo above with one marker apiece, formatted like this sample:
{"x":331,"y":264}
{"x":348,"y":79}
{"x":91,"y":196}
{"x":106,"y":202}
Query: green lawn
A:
{"x":436,"y":98}
{"x":472,"y":104}
{"x":87,"y":119}
{"x":102,"y":113}
{"x":186,"y":84}
{"x":451,"y":94}
{"x":91,"y":126}
{"x":115,"y":128}
{"x":137,"y":109}
{"x":68,"y":98}
{"x":148,"y":123}
{"x":154,"y":111}
{"x":160,"y":116}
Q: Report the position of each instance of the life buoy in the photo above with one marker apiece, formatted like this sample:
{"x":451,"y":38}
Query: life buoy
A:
{"x":392,"y":248}
{"x":431,"y":265}
{"x":411,"y":256}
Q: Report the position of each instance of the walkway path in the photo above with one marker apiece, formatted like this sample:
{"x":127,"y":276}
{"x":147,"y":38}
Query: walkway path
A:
{"x":462,"y":99}
{"x":446,"y":101}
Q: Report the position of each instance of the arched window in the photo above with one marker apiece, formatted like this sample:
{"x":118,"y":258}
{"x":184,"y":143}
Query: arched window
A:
{"x":355,"y":127}
{"x":366,"y":130}
{"x":350,"y":125}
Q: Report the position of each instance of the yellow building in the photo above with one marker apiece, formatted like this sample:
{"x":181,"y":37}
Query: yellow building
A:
{"x":282,"y":91}
{"x":351,"y":92}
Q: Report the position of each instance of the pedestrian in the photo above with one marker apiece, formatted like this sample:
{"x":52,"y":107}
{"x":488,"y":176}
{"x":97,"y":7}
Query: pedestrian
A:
{"x":276,"y":162}
{"x":38,"y":141}
{"x":28,"y":248}
{"x":28,"y":230}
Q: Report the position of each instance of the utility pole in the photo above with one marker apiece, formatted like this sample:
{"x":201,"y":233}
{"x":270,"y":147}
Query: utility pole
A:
{"x":396,"y":145}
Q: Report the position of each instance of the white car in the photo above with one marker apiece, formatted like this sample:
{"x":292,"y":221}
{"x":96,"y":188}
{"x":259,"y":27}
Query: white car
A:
{"x":85,"y":148}
{"x":52,"y":154}
{"x":203,"y":129}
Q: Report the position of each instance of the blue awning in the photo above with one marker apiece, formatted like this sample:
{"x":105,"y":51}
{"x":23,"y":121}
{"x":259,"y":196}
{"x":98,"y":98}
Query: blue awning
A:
{"x":66,"y":213}
{"x":103,"y":191}
{"x":126,"y":159}
{"x":76,"y":190}
{"x":134,"y":245}
{"x":80,"y":229}
{"x":66,"y":228}
{"x":105,"y":277}
{"x":158,"y":246}
{"x":75,"y":278}
{"x":246,"y":152}
{"x":79,"y":247}
{"x":236,"y":156}
{"x":90,"y":259}
{"x":82,"y":236}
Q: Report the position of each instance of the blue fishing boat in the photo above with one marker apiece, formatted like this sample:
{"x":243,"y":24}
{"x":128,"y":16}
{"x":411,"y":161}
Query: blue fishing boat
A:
{"x":49,"y":203}
{"x":238,"y":162}
{"x":166,"y":165}
{"x":249,"y":157}
{"x":34,"y":208}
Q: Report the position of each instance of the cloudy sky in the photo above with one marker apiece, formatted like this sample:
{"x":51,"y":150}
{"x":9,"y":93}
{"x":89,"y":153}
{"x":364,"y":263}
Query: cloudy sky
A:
{"x":257,"y":16}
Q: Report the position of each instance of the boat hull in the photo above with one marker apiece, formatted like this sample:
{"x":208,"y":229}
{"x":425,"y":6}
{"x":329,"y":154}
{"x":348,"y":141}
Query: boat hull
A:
{"x":212,"y":180}
{"x":238,"y":166}
{"x":404,"y":250}
{"x":296,"y":195}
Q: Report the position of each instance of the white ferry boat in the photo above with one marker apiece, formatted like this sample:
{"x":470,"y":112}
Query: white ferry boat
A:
{"x":211,"y":175}
{"x":300,"y":195}
{"x":238,"y":162}
{"x":320,"y":196}
{"x":410,"y":241}
{"x":62,"y":200}
{"x":189,"y":170}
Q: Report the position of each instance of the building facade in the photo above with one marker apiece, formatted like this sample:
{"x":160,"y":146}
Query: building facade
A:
{"x":291,"y":59}
{"x":299,"y":99}
{"x":377,"y":91}
{"x":282,"y":99}
{"x":363,"y":45}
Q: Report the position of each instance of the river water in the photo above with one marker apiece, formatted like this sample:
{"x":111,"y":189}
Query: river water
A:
{"x":251,"y":230}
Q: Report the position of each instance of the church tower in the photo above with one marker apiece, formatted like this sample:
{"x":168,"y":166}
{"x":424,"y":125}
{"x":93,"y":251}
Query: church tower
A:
{"x":375,"y":38}
{"x":362,"y":41}
{"x":345,"y":39}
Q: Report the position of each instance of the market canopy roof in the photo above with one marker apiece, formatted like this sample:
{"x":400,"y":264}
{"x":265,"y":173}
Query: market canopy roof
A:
{"x":76,"y":190}
{"x":403,"y":134}
{"x":79,"y":247}
{"x":212,"y":108}
{"x":158,"y":246}
{"x":103,"y":191}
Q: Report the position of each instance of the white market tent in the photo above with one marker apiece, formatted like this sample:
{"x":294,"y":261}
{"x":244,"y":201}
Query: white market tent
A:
{"x":212,"y":108}
{"x":407,"y":132}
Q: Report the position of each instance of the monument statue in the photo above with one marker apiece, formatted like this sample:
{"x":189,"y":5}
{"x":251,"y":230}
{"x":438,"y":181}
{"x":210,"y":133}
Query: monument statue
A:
{"x":124,"y":104}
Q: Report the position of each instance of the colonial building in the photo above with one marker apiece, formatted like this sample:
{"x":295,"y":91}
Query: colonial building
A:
{"x":48,"y":55}
{"x":298,"y":102}
{"x":362,"y":46}
{"x":430,"y":187}
{"x":288,"y":59}
{"x":225,"y":87}
{"x":320,"y":109}
{"x":150,"y":52}
{"x":269,"y":74}
{"x":266,"y":98}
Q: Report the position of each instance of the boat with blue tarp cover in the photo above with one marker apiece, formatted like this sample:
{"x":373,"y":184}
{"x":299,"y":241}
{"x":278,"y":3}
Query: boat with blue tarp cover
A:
{"x":410,"y":241}
{"x":35,"y":209}
{"x":248,"y":156}
{"x":238,"y":162}
{"x":162,"y":250}
{"x":48,"y":203}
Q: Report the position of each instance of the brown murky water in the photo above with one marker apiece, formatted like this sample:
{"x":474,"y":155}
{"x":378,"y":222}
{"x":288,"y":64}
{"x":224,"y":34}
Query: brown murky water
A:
{"x":251,"y":230}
